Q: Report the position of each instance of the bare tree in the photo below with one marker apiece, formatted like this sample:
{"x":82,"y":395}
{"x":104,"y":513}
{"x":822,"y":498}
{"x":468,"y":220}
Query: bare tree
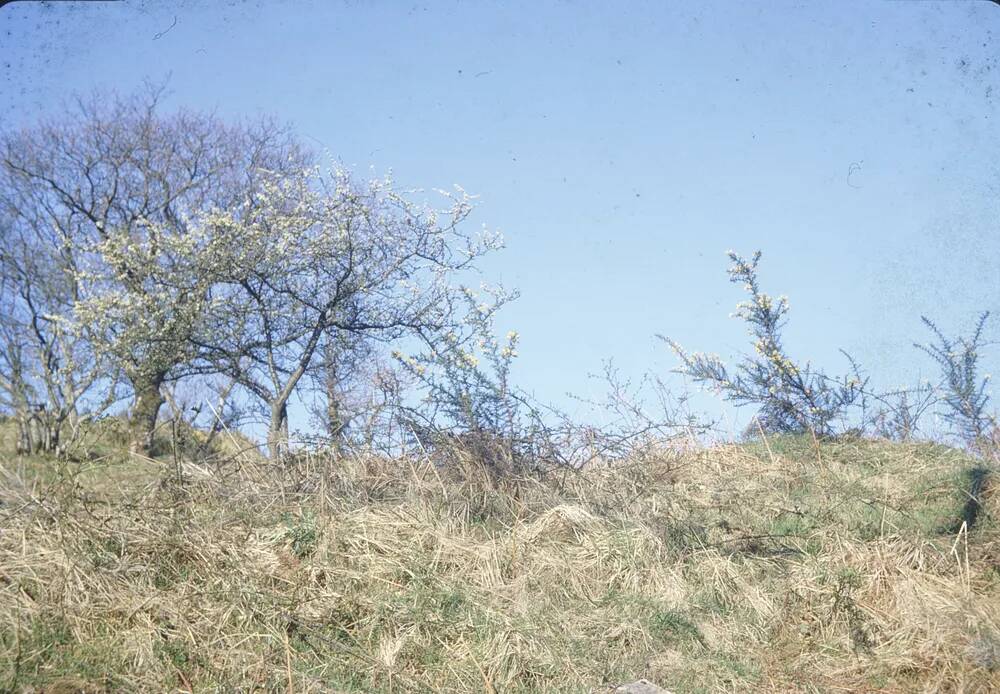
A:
{"x":16,"y":392}
{"x":48,"y":364}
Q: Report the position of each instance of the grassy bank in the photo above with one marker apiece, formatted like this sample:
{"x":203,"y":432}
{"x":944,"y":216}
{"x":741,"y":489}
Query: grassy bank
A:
{"x":785,"y":566}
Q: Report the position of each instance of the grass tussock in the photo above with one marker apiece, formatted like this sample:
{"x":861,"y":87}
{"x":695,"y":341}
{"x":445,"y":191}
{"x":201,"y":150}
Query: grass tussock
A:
{"x":787,"y":565}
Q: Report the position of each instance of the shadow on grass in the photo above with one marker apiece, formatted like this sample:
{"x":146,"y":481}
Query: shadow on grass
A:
{"x":977,"y":480}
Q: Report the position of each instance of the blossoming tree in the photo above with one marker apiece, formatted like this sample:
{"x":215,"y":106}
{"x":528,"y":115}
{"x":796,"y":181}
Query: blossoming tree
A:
{"x":315,"y":254}
{"x":118,"y":188}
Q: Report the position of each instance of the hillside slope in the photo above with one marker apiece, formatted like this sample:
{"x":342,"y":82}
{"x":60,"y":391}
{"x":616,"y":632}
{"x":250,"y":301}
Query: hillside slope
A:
{"x":785,"y":566}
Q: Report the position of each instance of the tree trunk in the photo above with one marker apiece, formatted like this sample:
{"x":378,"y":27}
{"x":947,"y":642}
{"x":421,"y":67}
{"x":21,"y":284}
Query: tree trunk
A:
{"x":334,"y":419}
{"x":23,"y":445}
{"x":334,"y":416}
{"x":38,"y":430}
{"x":277,"y":432}
{"x":54,"y":436}
{"x":49,"y":425}
{"x":145,"y":410}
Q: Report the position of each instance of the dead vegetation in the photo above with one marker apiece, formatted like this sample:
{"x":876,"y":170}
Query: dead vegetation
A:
{"x":788,"y":565}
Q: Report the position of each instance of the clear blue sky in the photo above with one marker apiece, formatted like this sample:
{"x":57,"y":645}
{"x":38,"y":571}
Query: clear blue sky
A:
{"x":621,"y":148}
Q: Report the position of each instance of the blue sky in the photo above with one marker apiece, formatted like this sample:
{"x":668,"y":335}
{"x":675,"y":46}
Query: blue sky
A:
{"x":622,"y":148}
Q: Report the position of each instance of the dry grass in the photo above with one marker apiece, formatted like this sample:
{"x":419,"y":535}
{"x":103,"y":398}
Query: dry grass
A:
{"x":787,"y":567}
